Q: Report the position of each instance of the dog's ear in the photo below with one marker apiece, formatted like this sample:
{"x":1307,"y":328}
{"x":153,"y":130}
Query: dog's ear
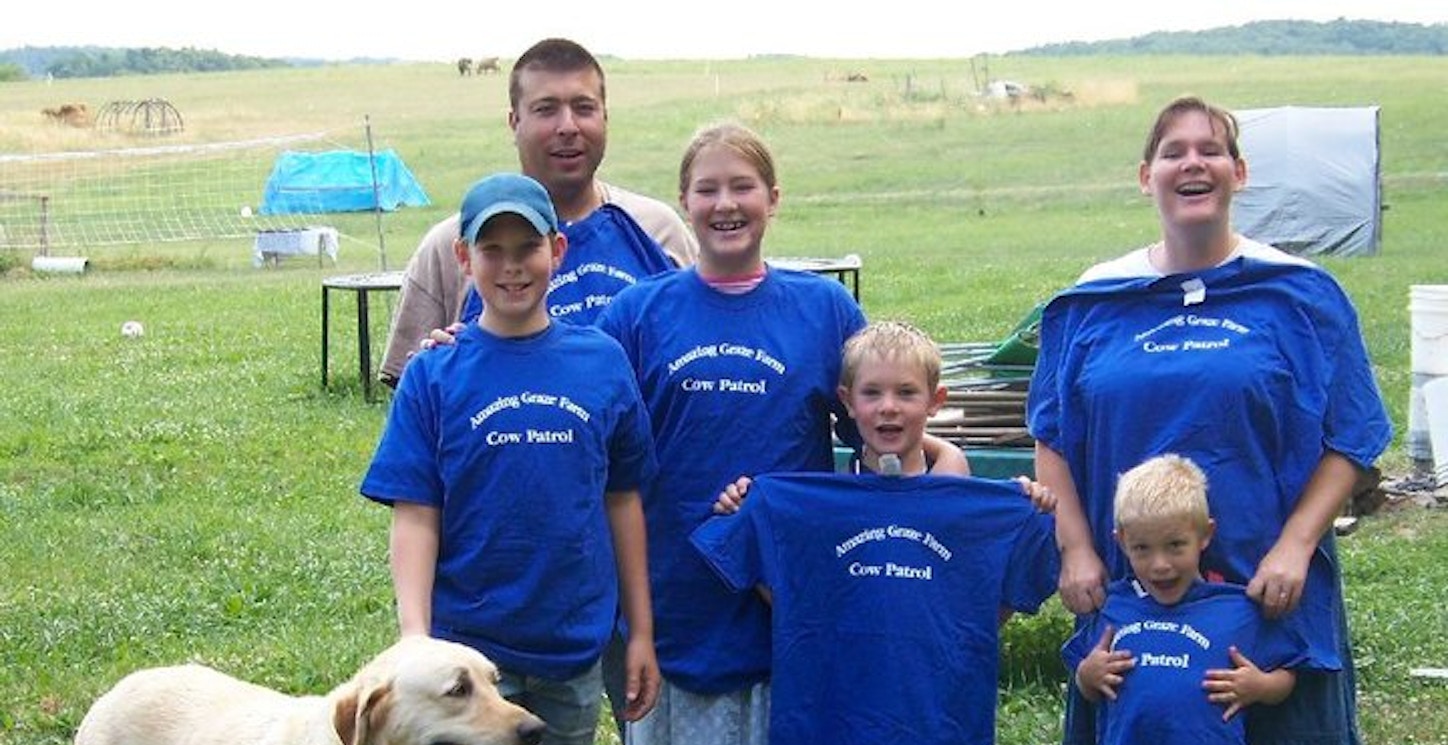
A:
{"x":360,"y":712}
{"x":344,"y":717}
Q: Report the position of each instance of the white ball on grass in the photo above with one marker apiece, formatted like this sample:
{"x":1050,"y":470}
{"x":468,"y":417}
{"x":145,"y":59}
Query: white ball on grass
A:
{"x":246,"y":210}
{"x":132,"y":329}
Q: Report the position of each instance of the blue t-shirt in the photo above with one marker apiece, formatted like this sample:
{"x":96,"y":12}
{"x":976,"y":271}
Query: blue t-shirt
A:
{"x":1253,"y":369}
{"x":1161,"y":700}
{"x":516,"y":441}
{"x":735,"y":385}
{"x":607,"y":251}
{"x":886,"y":594}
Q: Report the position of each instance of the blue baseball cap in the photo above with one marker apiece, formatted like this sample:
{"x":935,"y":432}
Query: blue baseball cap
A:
{"x":506,"y":192}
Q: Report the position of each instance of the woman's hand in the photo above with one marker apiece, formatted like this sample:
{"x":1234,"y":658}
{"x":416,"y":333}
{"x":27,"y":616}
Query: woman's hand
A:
{"x":1281,"y":576}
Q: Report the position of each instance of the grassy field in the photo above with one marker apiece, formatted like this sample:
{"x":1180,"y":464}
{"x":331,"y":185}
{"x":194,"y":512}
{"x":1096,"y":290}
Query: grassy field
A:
{"x":191,"y":494}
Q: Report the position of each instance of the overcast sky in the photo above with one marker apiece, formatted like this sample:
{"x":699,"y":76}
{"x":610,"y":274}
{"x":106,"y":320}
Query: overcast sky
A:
{"x":718,"y":29}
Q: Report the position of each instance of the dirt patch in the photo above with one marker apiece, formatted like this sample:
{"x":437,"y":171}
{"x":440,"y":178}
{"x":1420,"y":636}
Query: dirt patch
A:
{"x":1403,"y":491}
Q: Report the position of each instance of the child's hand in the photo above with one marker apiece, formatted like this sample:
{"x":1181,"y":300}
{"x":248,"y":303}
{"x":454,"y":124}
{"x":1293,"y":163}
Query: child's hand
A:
{"x":641,"y":689}
{"x":732,"y":498}
{"x":1102,"y":672}
{"x":1041,"y":496}
{"x":444,"y":336}
{"x":1245,"y":684}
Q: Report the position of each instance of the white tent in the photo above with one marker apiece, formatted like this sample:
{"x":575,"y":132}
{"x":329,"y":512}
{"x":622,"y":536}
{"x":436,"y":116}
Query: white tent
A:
{"x":1313,"y":179}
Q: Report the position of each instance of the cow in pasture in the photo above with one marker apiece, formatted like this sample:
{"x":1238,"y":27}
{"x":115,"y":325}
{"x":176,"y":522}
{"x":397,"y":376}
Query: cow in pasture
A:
{"x":465,"y":66}
{"x":487,"y":64}
{"x":74,"y":114}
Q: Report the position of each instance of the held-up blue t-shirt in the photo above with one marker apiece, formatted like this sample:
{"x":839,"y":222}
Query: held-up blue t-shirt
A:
{"x":1161,"y":700}
{"x":516,"y":441}
{"x":736,"y":385}
{"x":1253,"y":369}
{"x":607,"y":251}
{"x":886,"y":595}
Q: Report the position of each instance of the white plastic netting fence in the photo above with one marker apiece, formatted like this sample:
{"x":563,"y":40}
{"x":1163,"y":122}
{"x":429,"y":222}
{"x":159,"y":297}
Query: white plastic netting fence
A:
{"x":80,"y":200}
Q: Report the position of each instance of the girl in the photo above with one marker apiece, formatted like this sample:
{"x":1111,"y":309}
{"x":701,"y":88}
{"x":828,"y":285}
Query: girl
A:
{"x":738,"y":362}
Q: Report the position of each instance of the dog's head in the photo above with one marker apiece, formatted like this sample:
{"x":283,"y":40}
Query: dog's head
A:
{"x":424,"y":691}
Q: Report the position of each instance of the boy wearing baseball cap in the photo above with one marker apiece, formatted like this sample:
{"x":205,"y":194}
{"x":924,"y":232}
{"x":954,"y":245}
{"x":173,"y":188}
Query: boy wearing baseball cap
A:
{"x":512,"y":461}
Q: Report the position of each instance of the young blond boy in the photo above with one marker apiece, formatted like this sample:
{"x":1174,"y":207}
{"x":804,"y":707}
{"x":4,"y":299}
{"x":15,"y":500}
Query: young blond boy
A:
{"x":885,"y":591}
{"x":1170,"y":656}
{"x":890,"y":385}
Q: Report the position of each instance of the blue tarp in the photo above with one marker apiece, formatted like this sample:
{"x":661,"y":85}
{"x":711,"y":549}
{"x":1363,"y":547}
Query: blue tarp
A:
{"x":339,"y":181}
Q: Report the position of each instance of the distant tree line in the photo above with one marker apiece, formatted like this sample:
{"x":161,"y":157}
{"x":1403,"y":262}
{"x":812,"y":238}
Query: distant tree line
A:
{"x":1339,"y":37}
{"x":103,"y":62}
{"x":1284,"y":38}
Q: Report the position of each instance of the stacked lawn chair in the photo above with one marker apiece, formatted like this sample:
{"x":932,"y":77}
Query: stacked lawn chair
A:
{"x":987,"y":385}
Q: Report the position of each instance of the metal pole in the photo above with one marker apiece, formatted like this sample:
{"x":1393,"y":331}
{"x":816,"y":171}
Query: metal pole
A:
{"x":45,"y":225}
{"x":376,"y":193}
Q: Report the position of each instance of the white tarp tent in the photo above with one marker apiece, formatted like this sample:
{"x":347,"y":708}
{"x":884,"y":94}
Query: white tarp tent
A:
{"x":1313,"y":179}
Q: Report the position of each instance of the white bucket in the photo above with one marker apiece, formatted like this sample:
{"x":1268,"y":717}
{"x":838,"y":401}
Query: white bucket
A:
{"x":59,"y":264}
{"x":1419,"y":443}
{"x":1428,"y":308}
{"x":1435,"y":398}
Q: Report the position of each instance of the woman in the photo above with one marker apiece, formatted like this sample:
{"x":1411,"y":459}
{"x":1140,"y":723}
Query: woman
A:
{"x":1246,"y":360}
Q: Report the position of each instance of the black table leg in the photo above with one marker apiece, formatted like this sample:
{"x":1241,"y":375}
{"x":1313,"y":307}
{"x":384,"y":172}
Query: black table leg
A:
{"x":325,"y":338}
{"x":364,"y":345}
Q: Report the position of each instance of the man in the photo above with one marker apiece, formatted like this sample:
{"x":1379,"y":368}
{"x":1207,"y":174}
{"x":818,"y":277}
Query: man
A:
{"x":559,"y":118}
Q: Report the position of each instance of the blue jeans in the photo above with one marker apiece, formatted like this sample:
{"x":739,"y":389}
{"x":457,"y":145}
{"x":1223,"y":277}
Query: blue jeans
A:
{"x":568,"y":707}
{"x":1079,"y":727}
{"x":615,"y":681}
{"x":1322,"y":709}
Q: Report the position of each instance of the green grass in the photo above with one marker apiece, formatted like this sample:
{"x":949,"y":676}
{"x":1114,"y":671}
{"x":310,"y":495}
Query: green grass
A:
{"x":192,"y":494}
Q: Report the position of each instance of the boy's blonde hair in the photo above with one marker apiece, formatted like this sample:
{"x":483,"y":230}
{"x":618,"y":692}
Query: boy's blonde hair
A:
{"x":1166,"y":486}
{"x":891,"y":340}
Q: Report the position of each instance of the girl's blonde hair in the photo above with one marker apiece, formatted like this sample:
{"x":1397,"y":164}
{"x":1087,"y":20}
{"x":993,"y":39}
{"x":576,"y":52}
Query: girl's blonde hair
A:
{"x":739,"y":139}
{"x":1166,"y":486}
{"x":891,"y":340}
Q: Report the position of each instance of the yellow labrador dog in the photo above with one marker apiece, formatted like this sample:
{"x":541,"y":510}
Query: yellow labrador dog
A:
{"x":420,"y":691}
